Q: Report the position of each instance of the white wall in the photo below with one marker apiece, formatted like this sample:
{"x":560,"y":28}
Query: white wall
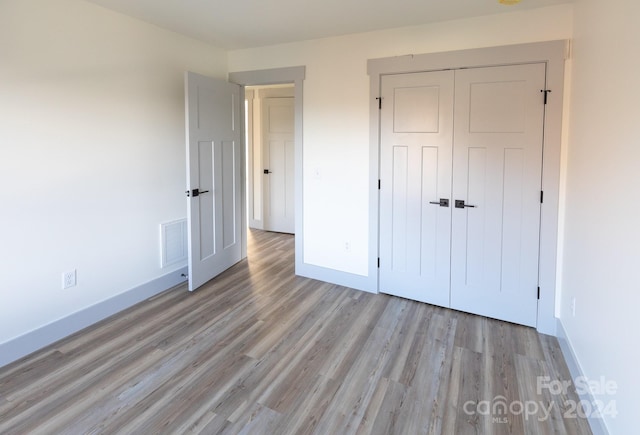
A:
{"x":92,"y":157}
{"x":92,"y":154}
{"x":336,"y":115}
{"x":602,"y":234}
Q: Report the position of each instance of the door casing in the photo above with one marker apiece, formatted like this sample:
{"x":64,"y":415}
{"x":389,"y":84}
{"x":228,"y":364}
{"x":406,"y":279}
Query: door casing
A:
{"x":554,"y":54}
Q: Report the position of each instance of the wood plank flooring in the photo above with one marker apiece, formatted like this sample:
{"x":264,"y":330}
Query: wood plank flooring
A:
{"x":261,"y":351}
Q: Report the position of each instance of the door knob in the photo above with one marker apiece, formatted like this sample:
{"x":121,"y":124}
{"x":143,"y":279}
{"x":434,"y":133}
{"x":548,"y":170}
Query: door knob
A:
{"x":444,"y":202}
{"x":460,"y":204}
{"x":266,"y":171}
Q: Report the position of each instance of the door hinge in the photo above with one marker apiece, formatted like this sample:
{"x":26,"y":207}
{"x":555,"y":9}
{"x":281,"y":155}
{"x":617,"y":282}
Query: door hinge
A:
{"x":379,"y":102}
{"x":541,"y":196}
{"x":538,"y":293}
{"x":546,"y":92}
{"x":379,"y":184}
{"x":378,"y":262}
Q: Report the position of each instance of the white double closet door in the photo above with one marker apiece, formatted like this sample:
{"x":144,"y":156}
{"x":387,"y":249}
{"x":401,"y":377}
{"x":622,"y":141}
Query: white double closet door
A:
{"x":461,"y":164}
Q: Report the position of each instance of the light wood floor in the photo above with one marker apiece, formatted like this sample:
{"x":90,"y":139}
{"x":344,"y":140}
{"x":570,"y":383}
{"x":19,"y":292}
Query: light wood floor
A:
{"x":259,"y":350}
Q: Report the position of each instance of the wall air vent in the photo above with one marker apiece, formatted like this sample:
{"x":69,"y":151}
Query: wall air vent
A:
{"x":173,"y":239}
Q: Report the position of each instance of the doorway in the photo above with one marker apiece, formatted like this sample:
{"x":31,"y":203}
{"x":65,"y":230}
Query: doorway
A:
{"x":269,"y":133}
{"x":217,"y":171}
{"x":278,"y":76}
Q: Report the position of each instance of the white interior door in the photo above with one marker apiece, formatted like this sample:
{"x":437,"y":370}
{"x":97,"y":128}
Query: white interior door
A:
{"x":499,"y":119}
{"x":278,"y":149}
{"x":416,"y":139}
{"x":481,"y":150}
{"x":214,"y":177}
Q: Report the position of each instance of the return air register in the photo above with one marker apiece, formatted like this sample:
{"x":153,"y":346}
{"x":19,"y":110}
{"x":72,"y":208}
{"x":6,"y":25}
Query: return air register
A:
{"x":173,"y":242}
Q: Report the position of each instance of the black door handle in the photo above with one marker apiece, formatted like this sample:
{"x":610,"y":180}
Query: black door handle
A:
{"x":196,"y":192}
{"x":266,"y":171}
{"x":444,"y":202}
{"x":460,"y":204}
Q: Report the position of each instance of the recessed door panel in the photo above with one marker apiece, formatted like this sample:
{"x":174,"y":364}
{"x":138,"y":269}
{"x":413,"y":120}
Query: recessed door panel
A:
{"x":429,"y":214}
{"x":400,"y":225}
{"x":207,"y":205}
{"x":416,"y":109}
{"x":280,"y":116}
{"x":228,"y":170}
{"x":513,"y":204}
{"x":476,"y":217}
{"x":497,"y":107}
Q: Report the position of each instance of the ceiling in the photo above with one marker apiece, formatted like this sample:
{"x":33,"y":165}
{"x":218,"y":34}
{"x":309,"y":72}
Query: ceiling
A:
{"x":236,"y":24}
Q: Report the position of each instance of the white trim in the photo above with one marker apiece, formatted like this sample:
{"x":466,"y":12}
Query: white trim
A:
{"x":598,"y":426}
{"x":38,"y":338}
{"x":553,"y":54}
{"x":249,"y":129}
{"x":358,"y":282}
{"x":243,"y":179}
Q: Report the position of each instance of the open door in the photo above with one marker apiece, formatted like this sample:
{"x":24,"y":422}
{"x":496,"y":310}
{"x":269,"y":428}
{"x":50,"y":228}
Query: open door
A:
{"x":214,"y":176}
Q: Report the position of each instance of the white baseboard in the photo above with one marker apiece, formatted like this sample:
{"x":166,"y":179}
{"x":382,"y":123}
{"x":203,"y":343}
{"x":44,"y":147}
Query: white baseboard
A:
{"x":598,"y":426}
{"x":30,"y":342}
{"x":358,"y":282}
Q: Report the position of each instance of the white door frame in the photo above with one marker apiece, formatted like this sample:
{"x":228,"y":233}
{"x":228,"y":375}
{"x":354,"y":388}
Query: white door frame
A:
{"x":295,"y":75}
{"x":248,"y":128}
{"x":552,"y":53}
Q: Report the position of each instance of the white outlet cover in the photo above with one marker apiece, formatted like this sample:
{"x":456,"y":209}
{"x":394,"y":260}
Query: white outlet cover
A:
{"x":68,"y":279}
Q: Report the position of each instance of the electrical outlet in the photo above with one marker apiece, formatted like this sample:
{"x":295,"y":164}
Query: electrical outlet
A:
{"x":573,"y":307}
{"x":347,"y":246}
{"x":69,"y":279}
